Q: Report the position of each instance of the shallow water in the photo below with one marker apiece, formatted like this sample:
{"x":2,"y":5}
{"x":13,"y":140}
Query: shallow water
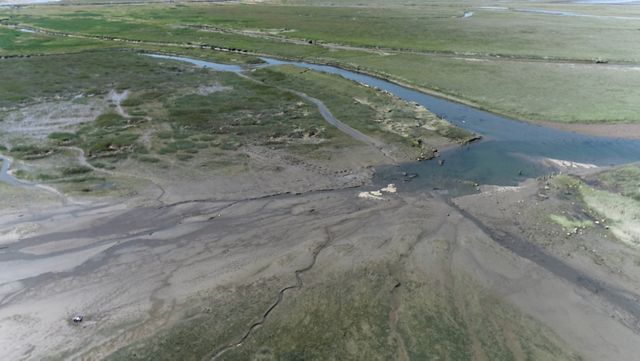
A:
{"x":202,"y":63}
{"x":506,"y":155}
{"x":606,"y":2}
{"x":5,"y":177}
{"x":570,"y":13}
{"x":509,"y":152}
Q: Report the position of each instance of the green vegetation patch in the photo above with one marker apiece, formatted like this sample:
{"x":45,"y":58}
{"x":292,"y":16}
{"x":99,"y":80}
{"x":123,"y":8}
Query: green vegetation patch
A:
{"x":570,"y":224}
{"x":624,"y":180}
{"x":622,"y":213}
{"x":339,"y":317}
{"x":207,"y":324}
{"x":357,"y":314}
{"x":15,"y":42}
{"x":31,"y":151}
{"x":110,"y":120}
{"x":31,"y":79}
{"x":365,"y":109}
{"x":63,"y":138}
{"x":460,"y":60}
{"x":461,"y":321}
{"x":615,"y":211}
{"x":249,"y":113}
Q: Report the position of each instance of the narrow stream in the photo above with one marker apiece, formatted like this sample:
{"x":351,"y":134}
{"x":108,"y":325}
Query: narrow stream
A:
{"x":510,"y":151}
{"x":7,"y":178}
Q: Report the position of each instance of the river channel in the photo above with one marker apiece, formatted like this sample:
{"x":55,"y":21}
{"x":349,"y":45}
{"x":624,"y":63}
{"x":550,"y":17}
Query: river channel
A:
{"x":509,"y":152}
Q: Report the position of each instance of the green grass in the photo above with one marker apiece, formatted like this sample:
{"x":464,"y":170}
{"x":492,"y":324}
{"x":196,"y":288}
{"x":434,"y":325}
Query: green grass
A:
{"x":365,"y":109}
{"x":621,"y":212}
{"x":249,"y":111}
{"x":62,"y":138}
{"x":570,"y":224}
{"x":14,"y":42}
{"x":208,"y":323}
{"x":30,"y":80}
{"x":461,"y":321}
{"x":345,"y":316}
{"x":31,"y":151}
{"x":528,"y":90}
{"x":429,"y":28}
{"x":610,"y":198}
{"x":342,"y":317}
{"x":623,"y":180}
{"x":179,"y":122}
{"x":584,"y":93}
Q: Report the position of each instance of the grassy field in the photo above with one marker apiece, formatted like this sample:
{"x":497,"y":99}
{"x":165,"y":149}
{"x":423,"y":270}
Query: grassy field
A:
{"x":497,"y":60}
{"x":430,"y":28}
{"x":346,"y":316}
{"x":608,"y":200}
{"x":18,"y":42}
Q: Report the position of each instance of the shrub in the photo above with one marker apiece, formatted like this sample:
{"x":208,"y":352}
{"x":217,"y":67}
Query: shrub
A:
{"x":110,"y":120}
{"x":62,"y":138}
{"x":148,"y":159}
{"x":70,"y":171}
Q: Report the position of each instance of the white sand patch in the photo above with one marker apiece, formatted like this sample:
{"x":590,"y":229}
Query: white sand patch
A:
{"x":471,"y":59}
{"x":369,"y":195}
{"x":499,"y":189}
{"x":567,"y":164}
{"x":40,"y":120}
{"x":378,"y":195}
{"x":16,"y":233}
{"x":117,"y":99}
{"x":391,"y":188}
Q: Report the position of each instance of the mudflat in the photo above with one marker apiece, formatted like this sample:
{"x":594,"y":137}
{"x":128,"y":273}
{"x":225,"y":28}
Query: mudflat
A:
{"x":172,"y":191}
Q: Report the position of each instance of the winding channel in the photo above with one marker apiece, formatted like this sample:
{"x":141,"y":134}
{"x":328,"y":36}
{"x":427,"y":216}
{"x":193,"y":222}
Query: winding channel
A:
{"x":510,"y":151}
{"x":6,"y":177}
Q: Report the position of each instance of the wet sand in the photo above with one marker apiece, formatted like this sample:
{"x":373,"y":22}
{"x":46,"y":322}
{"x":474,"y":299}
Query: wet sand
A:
{"x":130,"y":268}
{"x":626,"y":131}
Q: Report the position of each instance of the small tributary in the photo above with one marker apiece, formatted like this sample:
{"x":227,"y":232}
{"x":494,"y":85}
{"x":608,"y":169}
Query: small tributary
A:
{"x":6,"y":177}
